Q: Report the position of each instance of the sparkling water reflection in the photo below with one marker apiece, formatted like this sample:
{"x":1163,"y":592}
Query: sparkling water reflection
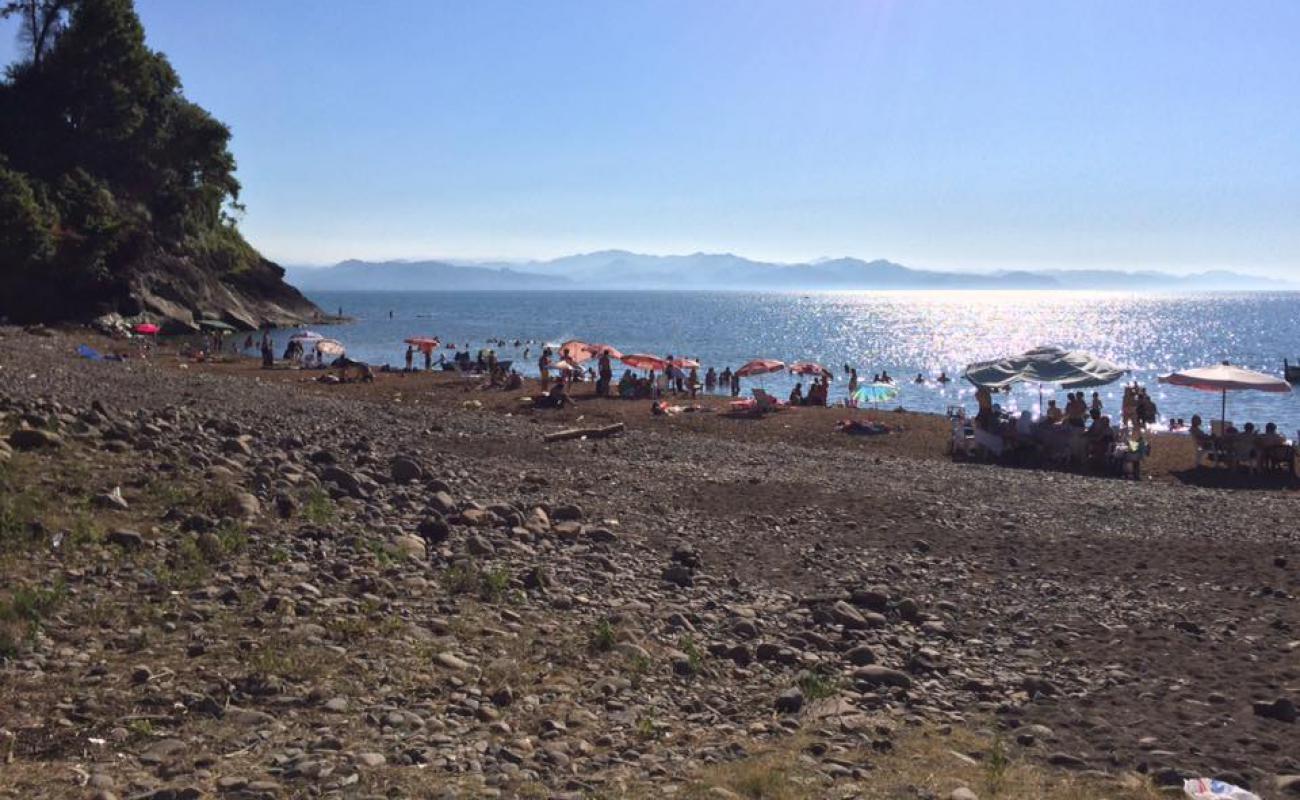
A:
{"x":901,"y":332}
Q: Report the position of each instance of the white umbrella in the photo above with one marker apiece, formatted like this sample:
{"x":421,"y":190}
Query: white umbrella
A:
{"x":1224,"y":378}
{"x":306,"y":336}
{"x":330,"y":348}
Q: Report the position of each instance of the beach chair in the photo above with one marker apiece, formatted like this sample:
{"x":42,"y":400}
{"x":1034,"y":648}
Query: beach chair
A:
{"x":1208,"y":452}
{"x":1242,"y":453}
{"x":963,"y":436}
{"x":1279,"y":457}
{"x":988,"y":442}
{"x":764,"y":402}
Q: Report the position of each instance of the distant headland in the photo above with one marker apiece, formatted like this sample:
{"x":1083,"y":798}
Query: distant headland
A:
{"x":620,"y":269}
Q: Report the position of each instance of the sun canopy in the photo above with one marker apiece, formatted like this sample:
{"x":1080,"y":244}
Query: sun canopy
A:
{"x":760,"y":366}
{"x":1226,"y":378}
{"x":1071,"y":369}
{"x":644,"y":361}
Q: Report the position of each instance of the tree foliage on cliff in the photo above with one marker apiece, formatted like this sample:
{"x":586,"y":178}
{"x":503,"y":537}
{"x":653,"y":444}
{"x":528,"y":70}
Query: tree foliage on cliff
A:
{"x":103,"y":160}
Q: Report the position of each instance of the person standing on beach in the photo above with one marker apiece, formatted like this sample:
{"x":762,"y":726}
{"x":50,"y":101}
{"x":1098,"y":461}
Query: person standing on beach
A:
{"x":544,"y":366}
{"x":735,"y":384}
{"x":710,"y":380}
{"x":410,"y":357}
{"x":606,"y":374}
{"x":853,"y":381}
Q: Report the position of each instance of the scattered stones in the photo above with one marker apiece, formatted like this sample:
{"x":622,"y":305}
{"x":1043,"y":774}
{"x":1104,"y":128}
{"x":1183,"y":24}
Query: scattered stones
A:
{"x":111,"y":500}
{"x":790,"y":701}
{"x":403,"y":469}
{"x":126,"y":539}
{"x":1281,"y":709}
{"x":34,"y":439}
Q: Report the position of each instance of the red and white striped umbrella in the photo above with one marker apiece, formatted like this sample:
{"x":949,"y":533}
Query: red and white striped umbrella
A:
{"x":760,"y":366}
{"x":810,"y":368}
{"x":644,"y":361}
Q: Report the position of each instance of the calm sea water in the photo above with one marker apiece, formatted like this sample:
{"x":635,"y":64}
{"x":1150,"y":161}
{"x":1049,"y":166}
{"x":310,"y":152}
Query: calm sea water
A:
{"x":902,"y":332}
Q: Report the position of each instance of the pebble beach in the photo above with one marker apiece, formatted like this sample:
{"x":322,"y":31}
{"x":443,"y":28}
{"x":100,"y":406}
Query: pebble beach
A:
{"x":222,"y":581}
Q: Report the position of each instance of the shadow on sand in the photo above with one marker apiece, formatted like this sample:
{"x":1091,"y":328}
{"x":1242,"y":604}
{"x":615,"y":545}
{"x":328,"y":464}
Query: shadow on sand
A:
{"x":1212,"y":478}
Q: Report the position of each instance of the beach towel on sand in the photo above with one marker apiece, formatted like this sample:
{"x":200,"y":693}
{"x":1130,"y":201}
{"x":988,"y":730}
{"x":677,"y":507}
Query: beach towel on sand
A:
{"x":86,"y":351}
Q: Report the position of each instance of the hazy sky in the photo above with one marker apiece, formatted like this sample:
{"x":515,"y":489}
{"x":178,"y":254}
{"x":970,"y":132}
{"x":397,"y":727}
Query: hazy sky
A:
{"x":941,"y":134}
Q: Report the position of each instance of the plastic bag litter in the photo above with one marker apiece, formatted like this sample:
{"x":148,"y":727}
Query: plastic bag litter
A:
{"x":1207,"y":789}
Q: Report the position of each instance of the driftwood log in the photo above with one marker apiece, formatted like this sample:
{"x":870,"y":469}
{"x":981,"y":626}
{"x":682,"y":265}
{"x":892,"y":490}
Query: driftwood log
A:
{"x":584,"y":433}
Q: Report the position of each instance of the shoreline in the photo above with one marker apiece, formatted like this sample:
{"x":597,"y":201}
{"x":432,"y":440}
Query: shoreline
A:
{"x":917,"y":435}
{"x":328,"y":588}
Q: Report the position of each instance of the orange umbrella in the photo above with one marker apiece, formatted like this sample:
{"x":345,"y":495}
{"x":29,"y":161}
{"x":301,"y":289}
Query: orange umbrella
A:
{"x":605,"y":348}
{"x":760,"y":366}
{"x":810,"y":368}
{"x":147,"y":328}
{"x":426,"y":344}
{"x":578,"y":351}
{"x":686,"y":363}
{"x":644,"y":361}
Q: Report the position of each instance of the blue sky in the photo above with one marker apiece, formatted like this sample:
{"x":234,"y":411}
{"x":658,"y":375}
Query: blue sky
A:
{"x":968,"y":135}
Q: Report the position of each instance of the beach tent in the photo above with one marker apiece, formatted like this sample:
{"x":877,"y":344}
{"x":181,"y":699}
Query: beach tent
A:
{"x":1224,"y":378}
{"x":644,"y":361}
{"x":1070,"y":369}
{"x":760,"y":366}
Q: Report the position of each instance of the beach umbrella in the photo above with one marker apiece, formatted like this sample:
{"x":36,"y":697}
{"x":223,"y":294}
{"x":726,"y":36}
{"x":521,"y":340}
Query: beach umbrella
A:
{"x":1070,"y":369}
{"x":605,"y":348}
{"x":1224,"y":378}
{"x":644,"y":361}
{"x":686,"y":363}
{"x":306,"y":336}
{"x":760,"y":366}
{"x":578,"y":351}
{"x":425,"y":344}
{"x":875,"y":393}
{"x":330,"y":348}
{"x":575,"y":350}
{"x":216,"y":325}
{"x":147,"y":328}
{"x":810,"y":368}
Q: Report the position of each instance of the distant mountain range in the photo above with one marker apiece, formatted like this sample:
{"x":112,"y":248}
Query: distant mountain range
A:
{"x":619,"y":269}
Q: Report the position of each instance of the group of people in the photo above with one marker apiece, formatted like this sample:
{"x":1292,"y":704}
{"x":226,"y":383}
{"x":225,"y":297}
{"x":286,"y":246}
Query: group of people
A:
{"x":1138,"y":411}
{"x":817,"y":395}
{"x":1081,"y":428}
{"x":1247,"y":446}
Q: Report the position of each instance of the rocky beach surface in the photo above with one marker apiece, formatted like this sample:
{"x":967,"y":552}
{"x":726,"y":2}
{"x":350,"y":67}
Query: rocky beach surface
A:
{"x":228,"y":586}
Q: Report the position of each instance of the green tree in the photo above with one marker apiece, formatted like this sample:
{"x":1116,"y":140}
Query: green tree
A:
{"x":105,"y":160}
